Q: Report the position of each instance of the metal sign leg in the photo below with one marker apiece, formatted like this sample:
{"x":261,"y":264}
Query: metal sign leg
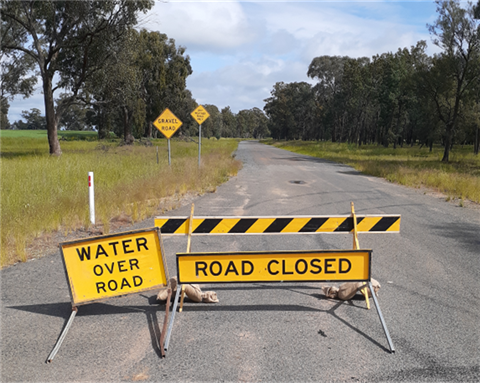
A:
{"x":62,"y":336}
{"x":164,"y":328}
{"x":172,"y":318}
{"x":377,"y":306}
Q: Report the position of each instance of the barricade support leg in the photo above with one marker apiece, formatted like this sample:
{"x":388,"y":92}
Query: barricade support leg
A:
{"x":172,"y":318}
{"x":165,"y":321}
{"x":377,"y":306}
{"x":182,"y":296}
{"x":63,"y":335}
{"x":356,"y":246}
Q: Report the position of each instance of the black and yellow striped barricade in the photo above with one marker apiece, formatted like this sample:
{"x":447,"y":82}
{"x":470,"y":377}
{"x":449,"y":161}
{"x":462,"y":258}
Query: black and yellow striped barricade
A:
{"x":278,"y":225}
{"x":294,"y":266}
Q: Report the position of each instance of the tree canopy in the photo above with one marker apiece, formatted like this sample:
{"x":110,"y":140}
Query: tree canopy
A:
{"x":391,"y":98}
{"x":68,"y":38}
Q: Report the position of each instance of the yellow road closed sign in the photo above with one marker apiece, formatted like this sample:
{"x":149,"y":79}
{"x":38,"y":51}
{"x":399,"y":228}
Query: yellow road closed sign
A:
{"x":314,"y":265}
{"x":112,"y":265}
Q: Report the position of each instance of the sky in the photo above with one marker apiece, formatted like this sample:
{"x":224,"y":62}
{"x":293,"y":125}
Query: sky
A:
{"x":240,"y":49}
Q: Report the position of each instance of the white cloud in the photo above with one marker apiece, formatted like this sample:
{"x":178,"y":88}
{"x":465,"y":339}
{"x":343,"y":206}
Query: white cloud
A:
{"x":203,"y":26}
{"x":246,"y":84}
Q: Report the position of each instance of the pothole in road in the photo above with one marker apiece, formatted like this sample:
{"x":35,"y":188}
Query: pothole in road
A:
{"x":298,"y":182}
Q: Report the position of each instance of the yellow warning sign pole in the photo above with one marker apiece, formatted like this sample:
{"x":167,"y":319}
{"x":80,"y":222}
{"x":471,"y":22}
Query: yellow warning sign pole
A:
{"x":189,"y":247}
{"x":356,"y":246}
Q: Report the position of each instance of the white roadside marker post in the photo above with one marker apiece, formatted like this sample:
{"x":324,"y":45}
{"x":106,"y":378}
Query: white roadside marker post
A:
{"x":91,"y":197}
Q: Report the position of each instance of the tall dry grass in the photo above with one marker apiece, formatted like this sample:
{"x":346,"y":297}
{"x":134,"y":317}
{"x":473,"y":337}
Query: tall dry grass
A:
{"x":41,"y":194}
{"x":409,"y":166}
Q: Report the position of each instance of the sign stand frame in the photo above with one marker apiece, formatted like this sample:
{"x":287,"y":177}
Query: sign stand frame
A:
{"x":62,"y":336}
{"x":74,"y":312}
{"x":364,"y":290}
{"x":180,"y":295}
{"x":356,"y":246}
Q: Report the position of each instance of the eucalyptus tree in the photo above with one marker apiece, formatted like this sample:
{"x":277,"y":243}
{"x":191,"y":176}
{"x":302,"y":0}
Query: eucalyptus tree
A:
{"x":260,"y":123}
{"x":164,"y":72}
{"x":67,"y":39}
{"x":228,"y":122}
{"x":328,"y":70}
{"x":252,"y":123}
{"x":210,"y":126}
{"x":357,"y":95}
{"x":118,"y":86}
{"x":278,"y":108}
{"x":455,"y":71}
{"x":74,"y":117}
{"x":292,"y":111}
{"x":145,"y":74}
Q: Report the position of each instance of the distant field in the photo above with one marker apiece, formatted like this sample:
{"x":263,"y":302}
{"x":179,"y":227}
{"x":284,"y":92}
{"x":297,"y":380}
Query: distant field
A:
{"x":410,"y":166}
{"x":41,"y":194}
{"x":43,"y":134}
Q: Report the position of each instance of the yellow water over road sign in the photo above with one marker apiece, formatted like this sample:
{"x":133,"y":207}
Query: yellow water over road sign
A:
{"x":311,"y":265}
{"x":200,"y":114}
{"x":112,"y":265}
{"x":167,"y":123}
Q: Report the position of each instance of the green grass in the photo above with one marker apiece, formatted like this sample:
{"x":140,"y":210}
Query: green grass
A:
{"x":41,"y":194}
{"x":43,"y":134}
{"x":410,"y":166}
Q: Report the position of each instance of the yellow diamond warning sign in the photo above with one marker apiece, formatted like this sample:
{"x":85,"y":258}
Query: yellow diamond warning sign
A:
{"x":167,"y":123}
{"x":200,"y":114}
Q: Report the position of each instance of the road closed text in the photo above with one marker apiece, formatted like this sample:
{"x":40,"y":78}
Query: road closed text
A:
{"x":114,"y":265}
{"x":351,"y":265}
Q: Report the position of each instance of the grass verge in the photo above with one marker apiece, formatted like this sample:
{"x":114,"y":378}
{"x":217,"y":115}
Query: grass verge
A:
{"x":410,"y":166}
{"x":41,"y":194}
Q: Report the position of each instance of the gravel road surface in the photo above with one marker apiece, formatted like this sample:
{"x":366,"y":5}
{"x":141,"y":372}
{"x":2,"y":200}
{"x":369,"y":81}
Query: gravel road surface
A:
{"x":272,"y":332}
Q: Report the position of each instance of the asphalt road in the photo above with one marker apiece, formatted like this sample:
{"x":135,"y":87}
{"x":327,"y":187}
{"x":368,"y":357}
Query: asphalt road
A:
{"x":272,"y":332}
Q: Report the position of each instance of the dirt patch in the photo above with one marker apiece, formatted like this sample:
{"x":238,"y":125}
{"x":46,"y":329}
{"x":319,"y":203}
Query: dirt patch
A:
{"x":456,"y":201}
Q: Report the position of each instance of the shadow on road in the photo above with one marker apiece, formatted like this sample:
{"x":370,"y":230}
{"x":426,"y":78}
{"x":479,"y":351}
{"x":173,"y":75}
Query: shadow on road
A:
{"x":291,"y":308}
{"x":465,"y":235}
{"x":64,"y":309}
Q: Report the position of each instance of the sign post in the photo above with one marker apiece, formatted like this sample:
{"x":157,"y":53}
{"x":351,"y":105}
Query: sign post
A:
{"x":200,"y":114}
{"x":167,"y":123}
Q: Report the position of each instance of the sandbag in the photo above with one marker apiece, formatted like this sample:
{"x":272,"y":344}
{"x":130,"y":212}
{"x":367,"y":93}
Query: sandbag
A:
{"x":330,"y":291}
{"x":209,"y":297}
{"x":347,"y":290}
{"x":193,"y":292}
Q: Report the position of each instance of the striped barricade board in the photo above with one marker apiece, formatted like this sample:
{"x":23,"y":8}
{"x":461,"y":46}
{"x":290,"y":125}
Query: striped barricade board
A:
{"x":279,"y":225}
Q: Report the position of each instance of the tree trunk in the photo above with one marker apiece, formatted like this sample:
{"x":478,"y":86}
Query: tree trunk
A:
{"x":53,"y":142}
{"x":477,"y":140}
{"x":448,"y":142}
{"x":127,"y":136}
{"x":149,"y":129}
